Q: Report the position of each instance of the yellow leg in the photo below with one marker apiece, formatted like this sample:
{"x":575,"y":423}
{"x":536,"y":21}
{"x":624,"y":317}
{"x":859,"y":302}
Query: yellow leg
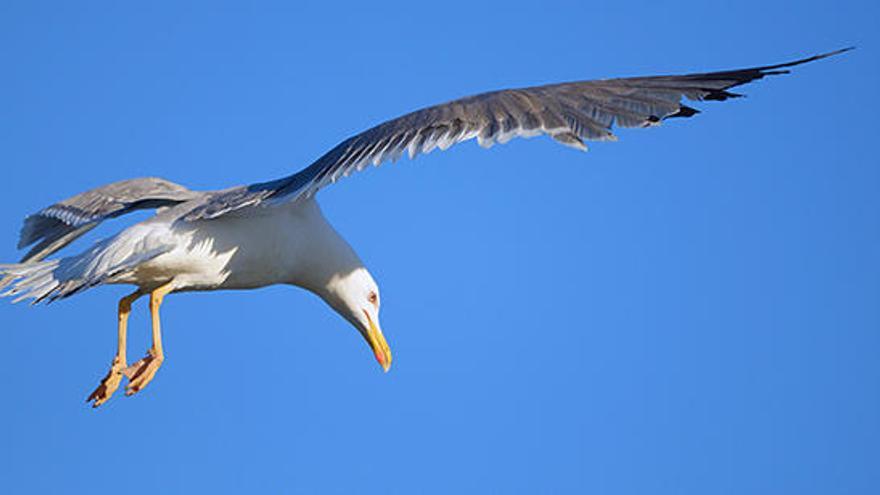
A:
{"x":142,"y":372}
{"x":111,"y":382}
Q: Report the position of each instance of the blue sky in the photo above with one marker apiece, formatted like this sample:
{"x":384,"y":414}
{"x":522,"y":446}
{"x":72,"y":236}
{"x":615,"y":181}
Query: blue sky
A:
{"x":691,"y":310}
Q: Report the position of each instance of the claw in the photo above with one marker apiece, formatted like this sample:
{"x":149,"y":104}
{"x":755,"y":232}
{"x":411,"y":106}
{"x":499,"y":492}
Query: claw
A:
{"x":141,"y":373}
{"x":108,"y":384}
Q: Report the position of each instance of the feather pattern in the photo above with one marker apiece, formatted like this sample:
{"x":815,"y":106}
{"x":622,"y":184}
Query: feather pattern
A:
{"x":57,"y":225}
{"x":570,"y":113}
{"x":59,"y":278}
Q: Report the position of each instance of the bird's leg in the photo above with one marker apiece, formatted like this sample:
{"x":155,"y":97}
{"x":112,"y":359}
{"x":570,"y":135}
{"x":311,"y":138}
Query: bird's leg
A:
{"x":111,"y":382}
{"x":141,"y":373}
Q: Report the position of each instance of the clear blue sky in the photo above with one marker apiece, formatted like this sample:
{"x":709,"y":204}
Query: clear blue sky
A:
{"x":691,"y":310}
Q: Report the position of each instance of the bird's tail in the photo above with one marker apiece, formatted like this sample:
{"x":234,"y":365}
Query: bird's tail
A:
{"x":60,"y":278}
{"x":36,"y":280}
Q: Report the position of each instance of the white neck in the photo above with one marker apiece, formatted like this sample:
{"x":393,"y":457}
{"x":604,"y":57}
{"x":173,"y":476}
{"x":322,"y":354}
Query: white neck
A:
{"x":324,"y":256}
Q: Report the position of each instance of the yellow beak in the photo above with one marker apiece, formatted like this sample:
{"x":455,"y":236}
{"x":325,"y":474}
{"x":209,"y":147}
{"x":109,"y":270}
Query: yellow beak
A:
{"x":378,"y":344}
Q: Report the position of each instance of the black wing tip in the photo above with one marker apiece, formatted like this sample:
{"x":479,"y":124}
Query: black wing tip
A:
{"x":684,"y":111}
{"x":745,"y":76}
{"x":771,"y":70}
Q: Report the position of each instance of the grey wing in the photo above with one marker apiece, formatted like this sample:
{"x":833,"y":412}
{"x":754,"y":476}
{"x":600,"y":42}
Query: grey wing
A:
{"x":58,"y":225}
{"x":569,"y":112}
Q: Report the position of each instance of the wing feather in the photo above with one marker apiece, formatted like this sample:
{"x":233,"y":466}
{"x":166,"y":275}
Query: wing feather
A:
{"x":57,"y":225}
{"x":570,"y":113}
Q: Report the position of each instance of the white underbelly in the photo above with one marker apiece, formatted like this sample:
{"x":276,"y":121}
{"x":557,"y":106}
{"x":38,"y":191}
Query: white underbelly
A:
{"x":214,"y":255}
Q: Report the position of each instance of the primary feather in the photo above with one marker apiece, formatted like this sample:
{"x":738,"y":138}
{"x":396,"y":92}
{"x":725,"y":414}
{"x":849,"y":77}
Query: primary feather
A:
{"x":568,"y":112}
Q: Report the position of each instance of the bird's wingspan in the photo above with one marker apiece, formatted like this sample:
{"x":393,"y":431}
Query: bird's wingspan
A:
{"x":58,"y":225}
{"x":569,"y":112}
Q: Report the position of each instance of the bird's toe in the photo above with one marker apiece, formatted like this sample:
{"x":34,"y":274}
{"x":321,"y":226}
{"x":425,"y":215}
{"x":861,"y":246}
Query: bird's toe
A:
{"x":141,"y":373}
{"x":108,"y":385}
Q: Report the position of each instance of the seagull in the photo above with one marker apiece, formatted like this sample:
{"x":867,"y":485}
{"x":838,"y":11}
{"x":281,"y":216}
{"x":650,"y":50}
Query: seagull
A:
{"x":274,"y":232}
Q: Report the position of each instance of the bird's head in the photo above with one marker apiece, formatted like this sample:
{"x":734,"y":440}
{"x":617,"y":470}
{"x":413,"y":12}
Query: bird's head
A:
{"x":355,"y":296}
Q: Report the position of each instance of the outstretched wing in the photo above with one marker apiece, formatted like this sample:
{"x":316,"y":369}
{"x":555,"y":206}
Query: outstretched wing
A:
{"x":58,"y":225}
{"x":569,"y":112}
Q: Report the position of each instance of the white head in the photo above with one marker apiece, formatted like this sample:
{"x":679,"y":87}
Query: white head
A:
{"x":355,"y":296}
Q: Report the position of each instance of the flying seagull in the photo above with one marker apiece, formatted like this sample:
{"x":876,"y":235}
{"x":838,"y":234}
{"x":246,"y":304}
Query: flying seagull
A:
{"x":274,"y":232}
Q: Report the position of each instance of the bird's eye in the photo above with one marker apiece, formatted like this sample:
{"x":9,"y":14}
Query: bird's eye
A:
{"x":373,"y":298}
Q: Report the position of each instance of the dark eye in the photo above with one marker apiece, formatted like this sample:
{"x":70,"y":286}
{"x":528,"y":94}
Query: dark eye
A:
{"x":373,"y":298}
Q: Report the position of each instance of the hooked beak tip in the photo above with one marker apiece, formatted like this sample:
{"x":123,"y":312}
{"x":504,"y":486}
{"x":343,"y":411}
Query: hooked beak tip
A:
{"x":379,"y":345}
{"x":385,"y":364}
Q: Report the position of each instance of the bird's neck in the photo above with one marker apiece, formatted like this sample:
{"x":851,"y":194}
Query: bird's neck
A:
{"x":323,"y":255}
